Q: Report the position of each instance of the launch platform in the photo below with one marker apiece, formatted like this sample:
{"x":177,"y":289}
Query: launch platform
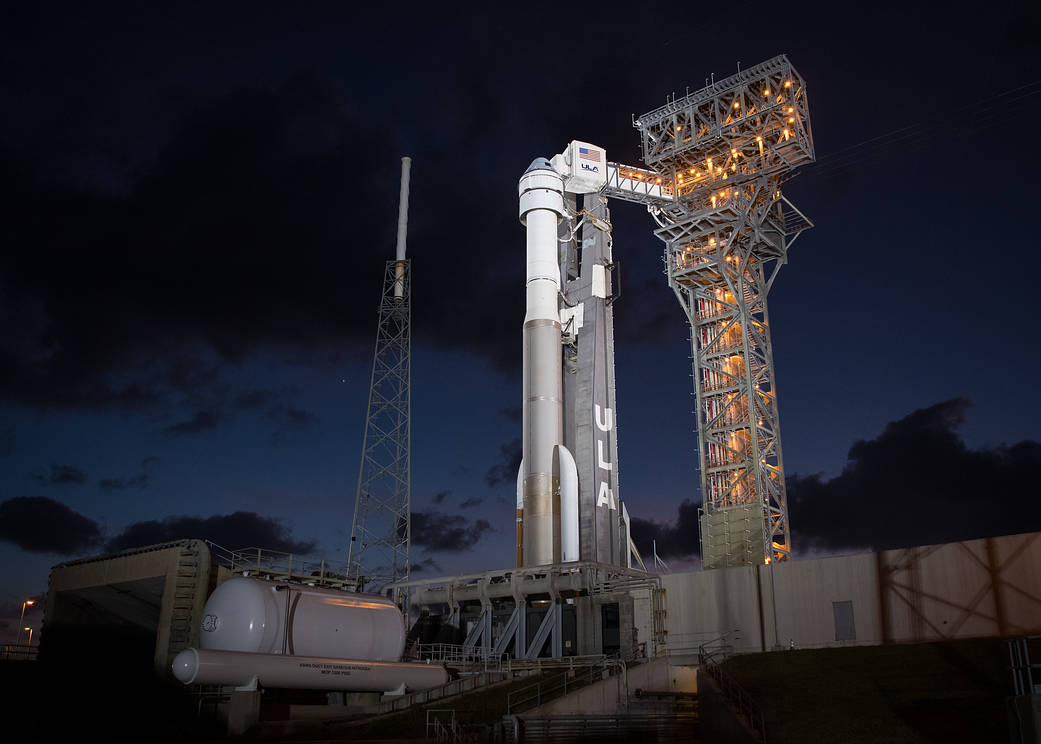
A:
{"x":577,"y":608}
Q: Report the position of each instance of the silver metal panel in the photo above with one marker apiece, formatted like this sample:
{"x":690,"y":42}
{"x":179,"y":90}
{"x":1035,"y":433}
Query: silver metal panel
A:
{"x":732,"y":537}
{"x":542,"y":424}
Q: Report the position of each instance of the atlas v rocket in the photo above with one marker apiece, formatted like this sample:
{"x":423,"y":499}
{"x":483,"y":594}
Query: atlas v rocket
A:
{"x":549,"y":477}
{"x":553,"y":507}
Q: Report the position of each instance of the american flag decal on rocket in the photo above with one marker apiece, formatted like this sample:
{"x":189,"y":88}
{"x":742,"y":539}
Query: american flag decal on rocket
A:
{"x":585,"y":152}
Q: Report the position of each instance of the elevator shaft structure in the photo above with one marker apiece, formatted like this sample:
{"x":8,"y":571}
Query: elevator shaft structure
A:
{"x":719,"y":157}
{"x":379,"y":551}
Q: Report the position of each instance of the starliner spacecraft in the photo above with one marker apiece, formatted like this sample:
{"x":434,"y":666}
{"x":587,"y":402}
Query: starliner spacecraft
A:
{"x":568,"y":507}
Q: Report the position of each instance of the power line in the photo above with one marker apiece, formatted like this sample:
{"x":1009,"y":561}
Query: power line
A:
{"x":983,"y":111}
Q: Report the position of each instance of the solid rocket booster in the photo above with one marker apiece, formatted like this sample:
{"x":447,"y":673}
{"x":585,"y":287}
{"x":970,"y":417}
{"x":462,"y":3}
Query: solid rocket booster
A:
{"x":541,"y":208}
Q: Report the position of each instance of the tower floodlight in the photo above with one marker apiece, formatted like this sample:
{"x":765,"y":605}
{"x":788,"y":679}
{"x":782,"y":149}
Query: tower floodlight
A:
{"x":379,"y":551}
{"x":716,"y":160}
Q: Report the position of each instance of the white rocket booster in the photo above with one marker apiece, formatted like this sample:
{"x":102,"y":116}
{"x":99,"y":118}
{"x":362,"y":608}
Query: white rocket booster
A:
{"x":548,"y":480}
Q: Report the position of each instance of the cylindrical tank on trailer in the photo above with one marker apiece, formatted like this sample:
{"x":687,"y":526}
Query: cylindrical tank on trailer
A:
{"x":207,"y":667}
{"x":252,"y":615}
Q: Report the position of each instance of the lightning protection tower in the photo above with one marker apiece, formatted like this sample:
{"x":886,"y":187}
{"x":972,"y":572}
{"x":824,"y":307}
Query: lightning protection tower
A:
{"x":719,"y":156}
{"x":381,"y":533}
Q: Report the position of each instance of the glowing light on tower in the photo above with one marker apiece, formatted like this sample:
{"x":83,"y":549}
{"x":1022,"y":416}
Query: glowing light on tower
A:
{"x":726,"y":236}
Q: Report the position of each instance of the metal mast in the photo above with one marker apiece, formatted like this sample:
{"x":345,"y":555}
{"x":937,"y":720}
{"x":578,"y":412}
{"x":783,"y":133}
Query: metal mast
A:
{"x":717,"y":159}
{"x":381,"y":533}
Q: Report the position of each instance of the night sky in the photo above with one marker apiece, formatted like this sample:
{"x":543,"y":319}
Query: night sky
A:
{"x":198,"y":199}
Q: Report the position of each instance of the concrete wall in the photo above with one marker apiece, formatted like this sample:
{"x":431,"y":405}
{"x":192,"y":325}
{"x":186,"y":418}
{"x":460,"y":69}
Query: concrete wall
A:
{"x":611,"y":695}
{"x":589,"y":627}
{"x":805,"y":591}
{"x":131,"y":584}
{"x":702,"y":606}
{"x":643,"y":622}
{"x":986,"y":587}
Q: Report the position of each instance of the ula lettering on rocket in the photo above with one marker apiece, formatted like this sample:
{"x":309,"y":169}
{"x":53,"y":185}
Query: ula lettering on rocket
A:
{"x":605,"y":496}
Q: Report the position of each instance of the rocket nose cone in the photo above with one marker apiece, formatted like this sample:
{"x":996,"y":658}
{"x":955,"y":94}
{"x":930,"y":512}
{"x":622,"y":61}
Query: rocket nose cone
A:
{"x":186,"y":665}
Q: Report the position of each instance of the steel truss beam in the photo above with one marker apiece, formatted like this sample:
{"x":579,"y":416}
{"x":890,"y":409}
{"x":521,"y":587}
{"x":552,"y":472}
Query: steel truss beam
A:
{"x":556,"y":582}
{"x":717,"y":158}
{"x":380,"y":535}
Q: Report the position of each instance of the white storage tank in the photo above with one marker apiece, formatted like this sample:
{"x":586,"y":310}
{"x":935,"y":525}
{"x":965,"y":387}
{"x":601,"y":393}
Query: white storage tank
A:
{"x":206,"y":667}
{"x":252,"y":615}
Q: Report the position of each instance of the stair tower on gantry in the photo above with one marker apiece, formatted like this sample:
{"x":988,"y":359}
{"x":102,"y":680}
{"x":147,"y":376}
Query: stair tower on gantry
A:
{"x":717,"y":159}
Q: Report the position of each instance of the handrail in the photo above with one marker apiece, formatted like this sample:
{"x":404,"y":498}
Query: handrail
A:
{"x":437,"y":727}
{"x":567,"y":662}
{"x":19,"y":651}
{"x":457,"y":654}
{"x":545,"y":690}
{"x":716,"y":648}
{"x":731,"y":690}
{"x":449,"y":689}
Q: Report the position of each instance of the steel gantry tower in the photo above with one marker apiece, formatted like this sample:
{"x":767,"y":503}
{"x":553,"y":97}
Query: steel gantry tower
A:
{"x":381,"y":533}
{"x":716,"y":160}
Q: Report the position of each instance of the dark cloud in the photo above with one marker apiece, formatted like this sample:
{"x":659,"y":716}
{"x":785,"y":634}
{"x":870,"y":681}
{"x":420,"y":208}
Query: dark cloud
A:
{"x":277,"y":408}
{"x":471,"y":502}
{"x":41,"y":525}
{"x":678,"y":540}
{"x":447,"y":533}
{"x":917,"y":483}
{"x":299,"y":417}
{"x":62,"y":474}
{"x":505,"y":471}
{"x":254,"y":399}
{"x":205,"y":420}
{"x":115,"y":292}
{"x":67,"y":474}
{"x":440,"y":496}
{"x":289,"y":418}
{"x":115,"y":484}
{"x":648,"y":314}
{"x":511,"y":413}
{"x":426,"y":565}
{"x":135,"y":481}
{"x":233,"y":531}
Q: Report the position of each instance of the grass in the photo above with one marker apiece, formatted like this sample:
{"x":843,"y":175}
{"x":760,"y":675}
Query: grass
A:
{"x":929,"y":692}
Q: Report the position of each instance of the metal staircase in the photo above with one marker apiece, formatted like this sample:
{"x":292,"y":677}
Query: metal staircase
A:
{"x":186,"y":587}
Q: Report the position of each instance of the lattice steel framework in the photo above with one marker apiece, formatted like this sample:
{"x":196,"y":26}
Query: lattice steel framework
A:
{"x":381,"y":534}
{"x":717,"y":159}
